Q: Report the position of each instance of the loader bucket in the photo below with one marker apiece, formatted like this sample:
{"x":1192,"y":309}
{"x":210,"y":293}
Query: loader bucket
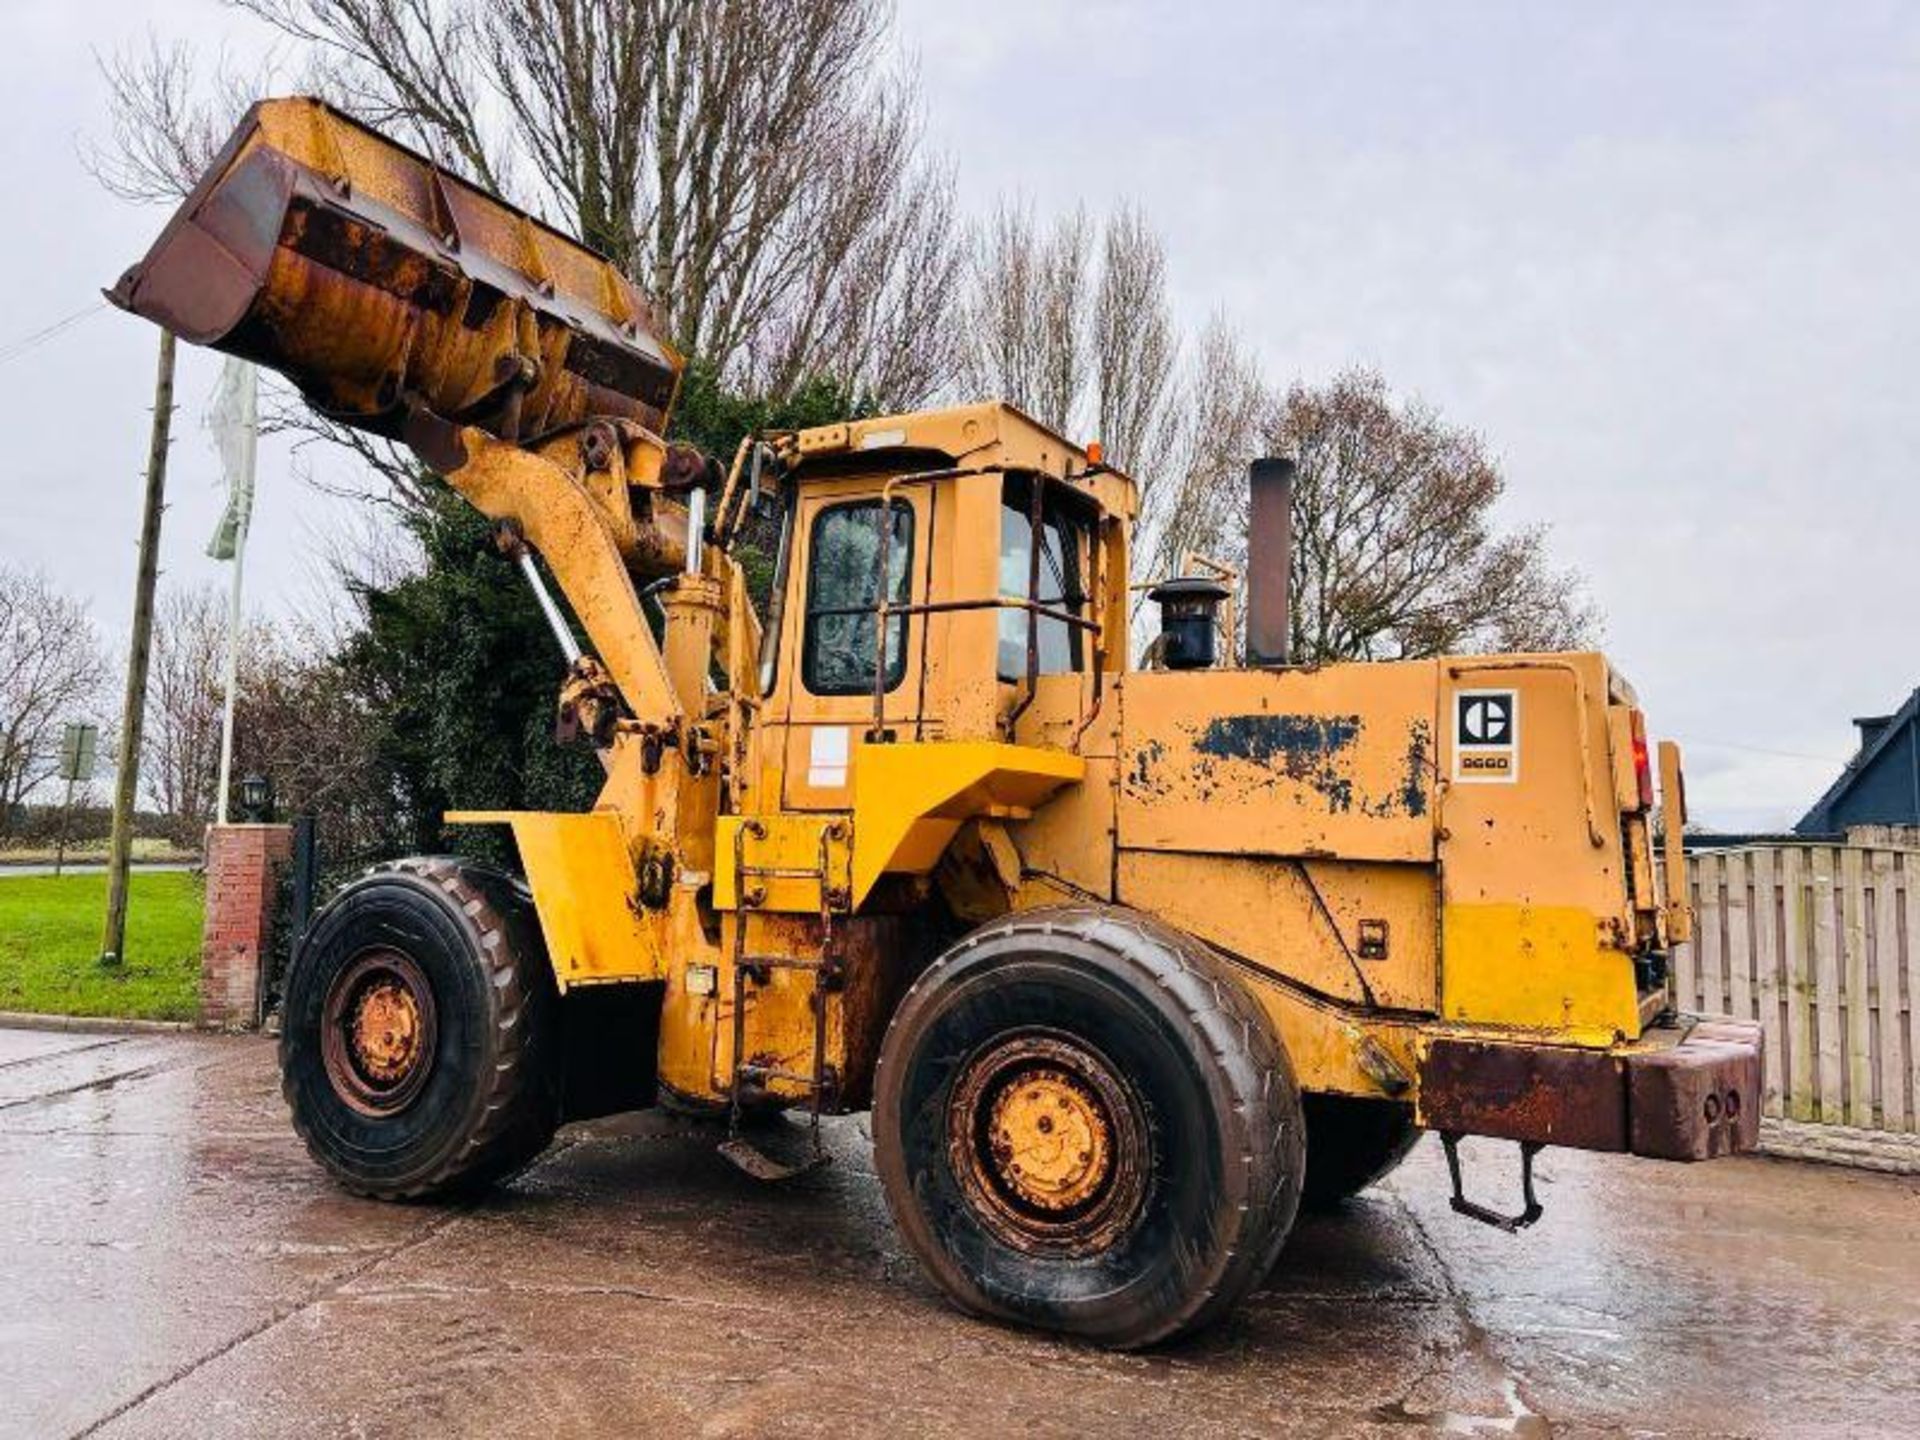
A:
{"x":379,"y":283}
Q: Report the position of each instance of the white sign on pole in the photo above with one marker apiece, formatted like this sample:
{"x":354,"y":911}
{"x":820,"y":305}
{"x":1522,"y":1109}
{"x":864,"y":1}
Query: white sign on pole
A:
{"x":79,"y":752}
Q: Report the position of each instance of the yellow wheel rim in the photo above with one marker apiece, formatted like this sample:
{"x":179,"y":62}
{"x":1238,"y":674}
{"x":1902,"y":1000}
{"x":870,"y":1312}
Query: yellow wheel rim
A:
{"x":385,"y":1031}
{"x":379,"y":1031}
{"x":1049,"y":1143}
{"x":1050,"y":1139}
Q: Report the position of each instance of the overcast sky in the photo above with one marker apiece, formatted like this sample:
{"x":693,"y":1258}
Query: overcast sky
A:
{"x":1661,"y":256}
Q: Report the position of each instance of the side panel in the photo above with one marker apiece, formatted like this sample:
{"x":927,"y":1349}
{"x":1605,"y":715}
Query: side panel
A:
{"x":1538,"y":966}
{"x":1535,"y":921}
{"x":1067,"y":849}
{"x":1278,"y":915}
{"x":1467,"y":807}
{"x":1388,"y":917}
{"x":1301,"y":763}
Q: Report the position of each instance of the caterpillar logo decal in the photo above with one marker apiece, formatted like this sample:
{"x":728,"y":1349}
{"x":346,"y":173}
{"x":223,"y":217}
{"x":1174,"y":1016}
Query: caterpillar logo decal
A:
{"x":1486,"y":737}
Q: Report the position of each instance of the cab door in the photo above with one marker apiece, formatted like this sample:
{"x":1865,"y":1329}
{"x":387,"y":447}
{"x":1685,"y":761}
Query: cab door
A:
{"x":832,"y":646}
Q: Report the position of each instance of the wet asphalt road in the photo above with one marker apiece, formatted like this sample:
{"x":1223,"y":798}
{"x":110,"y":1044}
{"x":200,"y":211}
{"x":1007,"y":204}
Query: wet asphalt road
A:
{"x":171,"y":1264}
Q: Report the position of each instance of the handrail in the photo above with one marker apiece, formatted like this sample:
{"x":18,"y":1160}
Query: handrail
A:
{"x":942,"y":607}
{"x":884,"y":609}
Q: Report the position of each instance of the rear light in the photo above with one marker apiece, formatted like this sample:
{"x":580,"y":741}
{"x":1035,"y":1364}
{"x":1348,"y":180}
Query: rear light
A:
{"x":1642,"y":760}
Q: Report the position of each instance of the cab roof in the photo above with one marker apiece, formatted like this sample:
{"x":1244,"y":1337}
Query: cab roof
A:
{"x":989,"y":435}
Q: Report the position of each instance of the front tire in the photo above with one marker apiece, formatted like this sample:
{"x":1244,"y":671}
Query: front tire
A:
{"x":417,"y":1040}
{"x":1083,"y":1123}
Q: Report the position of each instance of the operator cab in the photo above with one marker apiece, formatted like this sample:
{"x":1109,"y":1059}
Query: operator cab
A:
{"x":934,"y":573}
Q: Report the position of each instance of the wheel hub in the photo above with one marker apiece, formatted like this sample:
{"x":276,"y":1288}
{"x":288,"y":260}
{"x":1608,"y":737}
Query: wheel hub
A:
{"x":385,"y":1031}
{"x":378,"y":1032}
{"x":1049,"y":1139}
{"x":1049,"y":1143}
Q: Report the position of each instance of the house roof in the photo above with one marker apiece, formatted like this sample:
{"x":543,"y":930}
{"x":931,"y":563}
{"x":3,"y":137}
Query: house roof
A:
{"x":1819,"y":819}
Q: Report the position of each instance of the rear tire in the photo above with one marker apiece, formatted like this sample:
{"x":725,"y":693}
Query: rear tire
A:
{"x":1083,"y":1123}
{"x":1351,"y":1144}
{"x":417,"y":1044}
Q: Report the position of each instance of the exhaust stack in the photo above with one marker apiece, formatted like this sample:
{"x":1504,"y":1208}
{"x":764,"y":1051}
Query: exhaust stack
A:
{"x":1269,"y":560}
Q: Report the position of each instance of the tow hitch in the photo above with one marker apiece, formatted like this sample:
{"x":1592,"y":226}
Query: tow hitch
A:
{"x":1531,"y":1208}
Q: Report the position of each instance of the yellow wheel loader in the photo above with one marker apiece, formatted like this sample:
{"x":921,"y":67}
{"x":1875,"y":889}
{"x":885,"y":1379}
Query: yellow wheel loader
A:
{"x":1126,"y":962}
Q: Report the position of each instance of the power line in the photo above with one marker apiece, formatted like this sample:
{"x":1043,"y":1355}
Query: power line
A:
{"x":1761,"y":750}
{"x":13,"y":350}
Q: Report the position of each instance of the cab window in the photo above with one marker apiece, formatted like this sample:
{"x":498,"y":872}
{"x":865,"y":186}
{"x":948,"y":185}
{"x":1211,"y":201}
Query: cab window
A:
{"x":1060,"y":644}
{"x":843,"y":563}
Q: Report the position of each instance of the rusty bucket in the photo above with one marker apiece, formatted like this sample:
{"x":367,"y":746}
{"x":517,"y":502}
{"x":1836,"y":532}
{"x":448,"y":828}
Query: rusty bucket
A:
{"x":378,"y":283}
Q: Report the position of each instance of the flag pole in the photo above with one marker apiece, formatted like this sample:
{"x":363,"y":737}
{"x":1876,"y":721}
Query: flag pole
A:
{"x":233,"y":669}
{"x":240,"y":508}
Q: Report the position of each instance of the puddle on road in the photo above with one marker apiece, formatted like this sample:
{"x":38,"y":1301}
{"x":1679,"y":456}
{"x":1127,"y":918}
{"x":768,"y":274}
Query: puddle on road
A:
{"x":1519,"y":1419}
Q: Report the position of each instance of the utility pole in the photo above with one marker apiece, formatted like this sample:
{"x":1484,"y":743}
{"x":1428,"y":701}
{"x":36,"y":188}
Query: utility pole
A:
{"x":126,"y":778}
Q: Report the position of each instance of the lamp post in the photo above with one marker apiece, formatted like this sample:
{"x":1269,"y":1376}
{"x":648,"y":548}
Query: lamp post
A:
{"x":256,"y":799}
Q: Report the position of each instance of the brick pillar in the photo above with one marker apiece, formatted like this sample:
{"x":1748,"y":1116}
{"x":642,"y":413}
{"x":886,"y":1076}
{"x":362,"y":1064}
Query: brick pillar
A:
{"x":242,"y":864}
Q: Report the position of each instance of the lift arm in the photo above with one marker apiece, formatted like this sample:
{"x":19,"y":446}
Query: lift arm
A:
{"x":547,"y":502}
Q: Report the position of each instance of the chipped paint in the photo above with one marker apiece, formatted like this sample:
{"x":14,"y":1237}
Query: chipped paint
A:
{"x":1307,"y":749}
{"x":1295,"y":740}
{"x":1413,"y":787}
{"x":1141,"y":775}
{"x":1310,"y":751}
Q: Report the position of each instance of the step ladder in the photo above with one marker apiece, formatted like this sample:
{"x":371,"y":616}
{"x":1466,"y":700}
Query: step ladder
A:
{"x":821,"y":1081}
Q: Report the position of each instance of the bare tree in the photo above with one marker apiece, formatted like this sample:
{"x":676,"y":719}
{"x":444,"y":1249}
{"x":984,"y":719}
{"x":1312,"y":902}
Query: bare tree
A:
{"x":755,"y":164}
{"x":881,"y":313}
{"x":299,"y":722}
{"x":296,"y":719}
{"x":1135,"y":348}
{"x":182,"y":762}
{"x":1397,"y":550}
{"x":751,"y":162}
{"x":1027,"y":314}
{"x":169,"y":118}
{"x":52,"y":671}
{"x":1195,"y":496}
{"x":1083,"y":342}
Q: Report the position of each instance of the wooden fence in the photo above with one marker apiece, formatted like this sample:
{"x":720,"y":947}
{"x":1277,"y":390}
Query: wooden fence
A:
{"x":1821,"y":944}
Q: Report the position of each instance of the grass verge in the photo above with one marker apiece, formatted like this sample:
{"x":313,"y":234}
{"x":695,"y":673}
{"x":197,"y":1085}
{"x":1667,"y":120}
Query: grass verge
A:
{"x":93,"y":851}
{"x":50,"y":947}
